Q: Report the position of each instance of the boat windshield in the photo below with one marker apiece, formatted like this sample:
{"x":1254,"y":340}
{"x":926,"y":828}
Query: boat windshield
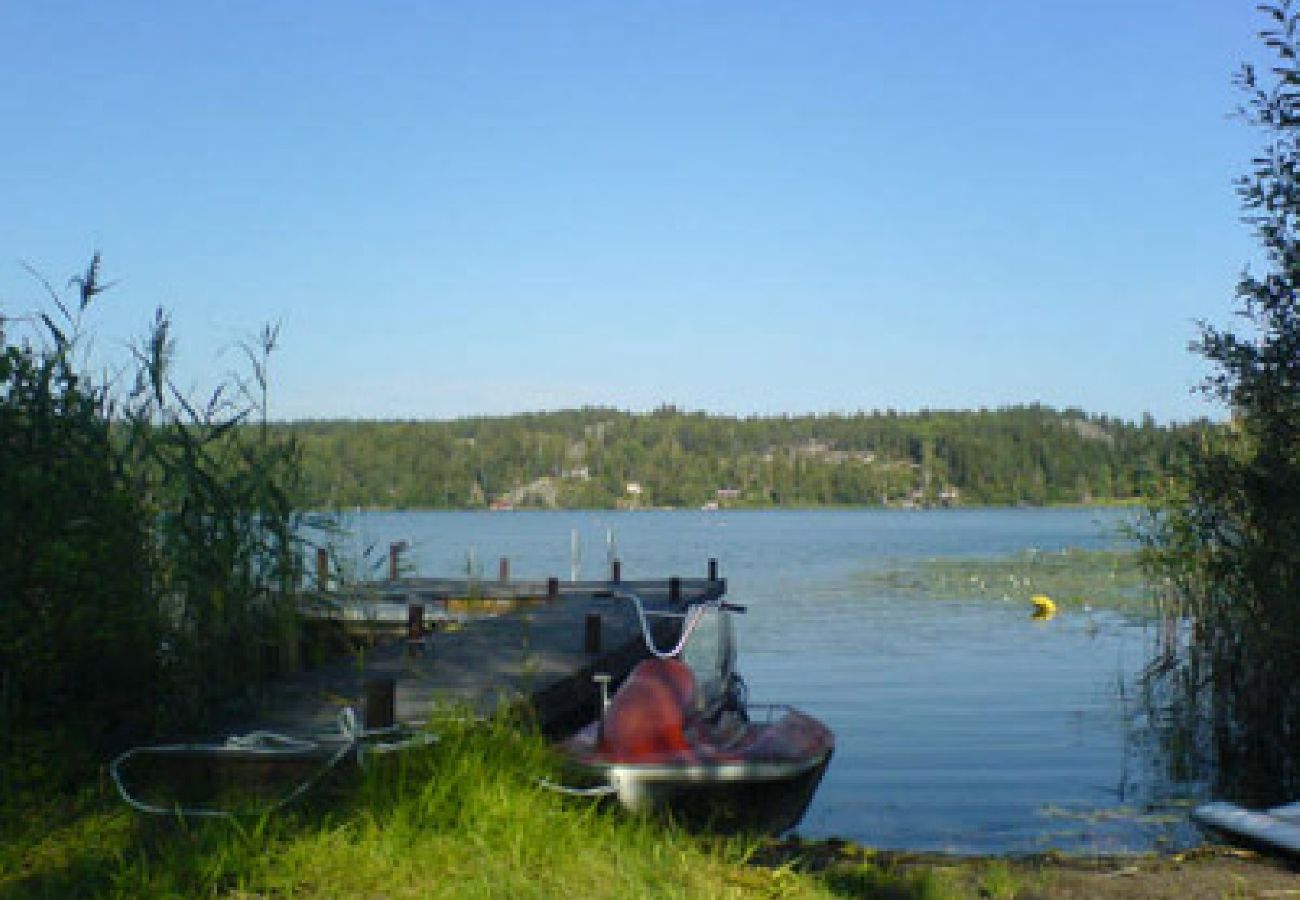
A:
{"x":710,"y":654}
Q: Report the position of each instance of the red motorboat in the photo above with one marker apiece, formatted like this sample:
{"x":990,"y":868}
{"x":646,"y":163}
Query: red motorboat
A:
{"x":693,"y":744}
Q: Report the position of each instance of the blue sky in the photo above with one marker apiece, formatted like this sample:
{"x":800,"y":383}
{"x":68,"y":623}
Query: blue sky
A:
{"x":743,"y":207}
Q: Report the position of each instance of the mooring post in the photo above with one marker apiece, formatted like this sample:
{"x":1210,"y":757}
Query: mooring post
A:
{"x":503,"y":569}
{"x":713,"y":569}
{"x":616,"y":570}
{"x":674,"y":590}
{"x":417,"y":636}
{"x":591,"y":644}
{"x":552,"y":589}
{"x":381,"y":703}
{"x":322,"y":569}
{"x":395,"y":558}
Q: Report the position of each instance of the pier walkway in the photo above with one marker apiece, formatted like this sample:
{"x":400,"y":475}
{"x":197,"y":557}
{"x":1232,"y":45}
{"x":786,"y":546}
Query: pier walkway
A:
{"x":542,"y":651}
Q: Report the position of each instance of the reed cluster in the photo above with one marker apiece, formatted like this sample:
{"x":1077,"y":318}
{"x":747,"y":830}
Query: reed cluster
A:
{"x":149,"y":552}
{"x":1223,"y":537}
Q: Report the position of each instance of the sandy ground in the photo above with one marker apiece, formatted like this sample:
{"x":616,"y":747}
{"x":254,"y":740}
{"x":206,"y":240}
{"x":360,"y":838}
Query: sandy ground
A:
{"x":1207,"y":872}
{"x":1210,"y":873}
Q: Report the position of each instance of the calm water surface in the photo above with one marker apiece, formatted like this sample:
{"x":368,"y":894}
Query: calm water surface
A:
{"x":961,"y":725}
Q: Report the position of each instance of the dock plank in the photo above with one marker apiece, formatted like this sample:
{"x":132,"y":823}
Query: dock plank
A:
{"x":534,"y":653}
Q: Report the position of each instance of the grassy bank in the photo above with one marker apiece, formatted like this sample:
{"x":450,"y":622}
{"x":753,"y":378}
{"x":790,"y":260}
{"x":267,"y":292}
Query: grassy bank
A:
{"x":465,"y":818}
{"x":1111,"y":579}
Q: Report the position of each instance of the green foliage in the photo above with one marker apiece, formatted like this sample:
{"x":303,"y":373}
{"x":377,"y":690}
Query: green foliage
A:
{"x":79,"y":630}
{"x":148,"y":555}
{"x":1225,"y":537}
{"x":586,"y":458}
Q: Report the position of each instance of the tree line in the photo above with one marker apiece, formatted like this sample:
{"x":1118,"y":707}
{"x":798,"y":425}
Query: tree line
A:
{"x":603,"y":458}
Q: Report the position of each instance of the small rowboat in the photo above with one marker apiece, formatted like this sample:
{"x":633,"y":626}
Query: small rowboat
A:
{"x":666,"y":741}
{"x":251,"y":774}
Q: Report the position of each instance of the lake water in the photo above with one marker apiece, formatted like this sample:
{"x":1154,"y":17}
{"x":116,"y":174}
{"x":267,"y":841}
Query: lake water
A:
{"x":961,"y":724}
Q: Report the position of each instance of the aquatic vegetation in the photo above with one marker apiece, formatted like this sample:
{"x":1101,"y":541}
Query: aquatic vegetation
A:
{"x":1111,"y":579}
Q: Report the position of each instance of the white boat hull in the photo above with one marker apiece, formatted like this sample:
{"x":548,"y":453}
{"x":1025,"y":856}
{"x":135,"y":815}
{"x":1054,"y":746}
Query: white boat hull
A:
{"x":770,"y":796}
{"x":1277,"y":828}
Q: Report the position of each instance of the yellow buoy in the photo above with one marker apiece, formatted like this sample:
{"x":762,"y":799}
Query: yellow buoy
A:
{"x":1044,"y":608}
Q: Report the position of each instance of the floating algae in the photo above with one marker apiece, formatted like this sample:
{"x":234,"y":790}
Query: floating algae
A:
{"x":1111,"y":579}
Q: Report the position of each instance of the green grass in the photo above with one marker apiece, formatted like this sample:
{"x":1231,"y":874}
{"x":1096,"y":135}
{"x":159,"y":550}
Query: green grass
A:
{"x":463,"y":818}
{"x":1111,"y":579}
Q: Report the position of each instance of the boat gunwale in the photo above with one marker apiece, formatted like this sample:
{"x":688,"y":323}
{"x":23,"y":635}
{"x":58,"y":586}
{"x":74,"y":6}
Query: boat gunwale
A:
{"x":767,"y":770}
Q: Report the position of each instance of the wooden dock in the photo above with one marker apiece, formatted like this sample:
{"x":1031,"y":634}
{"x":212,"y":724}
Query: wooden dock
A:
{"x":537,"y":643}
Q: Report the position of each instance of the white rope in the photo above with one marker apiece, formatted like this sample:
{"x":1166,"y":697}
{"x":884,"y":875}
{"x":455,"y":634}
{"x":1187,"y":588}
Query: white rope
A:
{"x":693,"y":619}
{"x":600,"y":790}
{"x":366,"y":748}
{"x":268,"y":742}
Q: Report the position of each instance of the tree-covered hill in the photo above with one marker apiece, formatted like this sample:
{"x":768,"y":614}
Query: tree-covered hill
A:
{"x":599,"y":457}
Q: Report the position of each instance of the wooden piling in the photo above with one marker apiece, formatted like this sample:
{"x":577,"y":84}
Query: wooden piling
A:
{"x":503,"y":570}
{"x":322,"y":569}
{"x":414,"y":629}
{"x":395,"y":559}
{"x":713,"y":569}
{"x":616,"y":571}
{"x":674,"y":590}
{"x":552,"y":588}
{"x":591,"y":644}
{"x":381,"y":703}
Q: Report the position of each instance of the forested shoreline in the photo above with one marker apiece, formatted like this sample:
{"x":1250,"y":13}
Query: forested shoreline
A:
{"x":606,"y":458}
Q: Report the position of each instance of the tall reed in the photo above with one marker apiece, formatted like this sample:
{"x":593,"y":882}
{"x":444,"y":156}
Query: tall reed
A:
{"x":150,"y":546}
{"x":79,"y":631}
{"x":221,"y":488}
{"x":1223,"y":538}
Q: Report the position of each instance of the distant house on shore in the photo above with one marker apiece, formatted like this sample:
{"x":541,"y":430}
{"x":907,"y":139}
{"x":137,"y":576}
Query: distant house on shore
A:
{"x":632,"y":499}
